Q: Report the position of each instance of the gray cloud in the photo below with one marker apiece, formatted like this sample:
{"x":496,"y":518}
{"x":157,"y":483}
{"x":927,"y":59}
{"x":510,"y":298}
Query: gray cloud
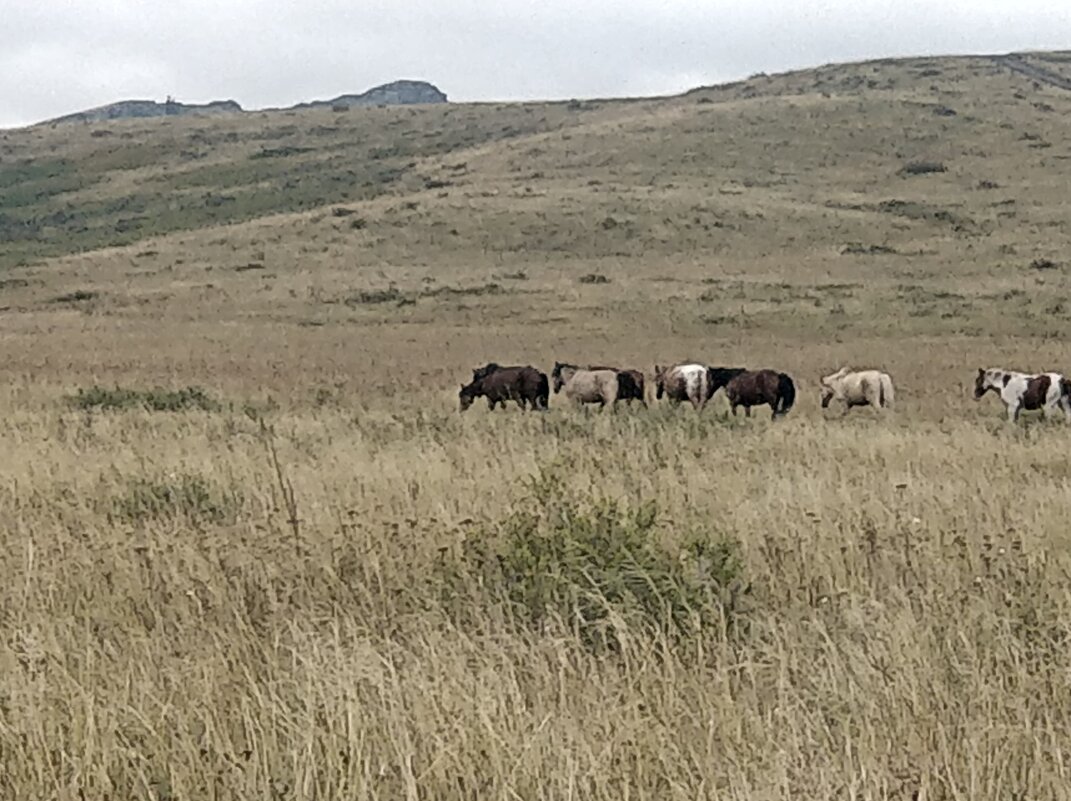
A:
{"x":58,"y":58}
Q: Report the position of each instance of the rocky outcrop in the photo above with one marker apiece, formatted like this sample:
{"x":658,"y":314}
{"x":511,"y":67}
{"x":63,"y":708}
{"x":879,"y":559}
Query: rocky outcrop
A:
{"x":397,"y":93}
{"x":130,"y":109}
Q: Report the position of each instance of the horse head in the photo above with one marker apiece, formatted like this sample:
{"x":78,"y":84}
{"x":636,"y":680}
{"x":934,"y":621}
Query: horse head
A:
{"x":558,"y":377}
{"x":721,"y":376}
{"x":827,"y":382}
{"x":468,"y":393}
{"x":985,"y":381}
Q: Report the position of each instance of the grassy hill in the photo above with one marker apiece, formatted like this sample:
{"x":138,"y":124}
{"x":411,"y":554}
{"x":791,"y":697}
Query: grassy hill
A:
{"x":829,"y":166}
{"x":251,"y":549}
{"x":815,"y":144}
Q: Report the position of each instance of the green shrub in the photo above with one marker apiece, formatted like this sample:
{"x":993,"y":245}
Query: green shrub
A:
{"x":78,"y":296}
{"x":922,"y":168}
{"x":593,"y":278}
{"x":593,"y":564}
{"x":450,"y":291}
{"x":373,"y":296}
{"x":156,"y":400}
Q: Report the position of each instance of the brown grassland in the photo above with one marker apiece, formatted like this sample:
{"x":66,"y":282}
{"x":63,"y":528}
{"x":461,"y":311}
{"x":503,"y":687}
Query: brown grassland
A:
{"x":406,"y":602}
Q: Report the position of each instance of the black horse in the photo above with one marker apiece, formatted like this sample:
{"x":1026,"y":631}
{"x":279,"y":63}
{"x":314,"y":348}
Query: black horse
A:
{"x":525,"y":385}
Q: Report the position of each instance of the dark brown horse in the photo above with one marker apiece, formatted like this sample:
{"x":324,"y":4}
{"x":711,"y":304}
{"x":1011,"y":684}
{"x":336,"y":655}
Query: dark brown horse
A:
{"x":631,"y":384}
{"x":525,"y":385}
{"x":718,"y":377}
{"x":758,"y":387}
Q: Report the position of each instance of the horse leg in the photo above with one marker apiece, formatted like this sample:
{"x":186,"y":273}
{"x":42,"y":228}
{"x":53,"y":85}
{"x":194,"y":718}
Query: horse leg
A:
{"x":1013,"y":412}
{"x":733,"y":407}
{"x":747,"y":411}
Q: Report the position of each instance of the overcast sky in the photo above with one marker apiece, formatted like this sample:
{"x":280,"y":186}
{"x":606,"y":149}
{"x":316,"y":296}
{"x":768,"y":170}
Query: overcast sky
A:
{"x":60,"y":56}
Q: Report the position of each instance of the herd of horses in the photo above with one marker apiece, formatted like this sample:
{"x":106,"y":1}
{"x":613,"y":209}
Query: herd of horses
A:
{"x":697,"y":383}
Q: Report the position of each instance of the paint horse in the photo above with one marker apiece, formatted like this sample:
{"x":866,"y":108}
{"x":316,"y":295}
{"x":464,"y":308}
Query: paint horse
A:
{"x":1025,"y":391}
{"x":688,"y":381}
{"x":858,"y":388}
{"x":758,"y":387}
{"x":524,"y":385}
{"x":582,"y":386}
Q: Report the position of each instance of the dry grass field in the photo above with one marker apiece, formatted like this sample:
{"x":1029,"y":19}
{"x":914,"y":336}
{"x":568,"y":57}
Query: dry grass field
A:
{"x":262,"y":555}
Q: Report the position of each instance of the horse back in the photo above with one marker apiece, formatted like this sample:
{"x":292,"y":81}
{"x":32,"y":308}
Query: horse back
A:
{"x":508,"y":382}
{"x":752,"y":384}
{"x":1036,"y":393}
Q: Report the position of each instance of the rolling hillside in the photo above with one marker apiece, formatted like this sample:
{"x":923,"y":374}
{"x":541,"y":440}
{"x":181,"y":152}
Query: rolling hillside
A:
{"x":930,"y":188}
{"x":251,"y":549}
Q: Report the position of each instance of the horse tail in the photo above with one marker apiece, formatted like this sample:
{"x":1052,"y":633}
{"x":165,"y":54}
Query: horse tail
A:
{"x":543,"y":391}
{"x":886,"y":388}
{"x":786,"y":391}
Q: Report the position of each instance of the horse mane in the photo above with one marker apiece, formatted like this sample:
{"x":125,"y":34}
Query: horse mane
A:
{"x":838,"y":373}
{"x":482,"y":372}
{"x":725,"y":374}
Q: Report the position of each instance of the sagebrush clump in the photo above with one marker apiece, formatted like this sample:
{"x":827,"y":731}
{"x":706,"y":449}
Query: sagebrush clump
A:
{"x":597,"y":567}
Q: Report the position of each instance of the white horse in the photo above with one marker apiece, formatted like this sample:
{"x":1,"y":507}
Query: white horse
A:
{"x":858,"y":388}
{"x":1029,"y":391}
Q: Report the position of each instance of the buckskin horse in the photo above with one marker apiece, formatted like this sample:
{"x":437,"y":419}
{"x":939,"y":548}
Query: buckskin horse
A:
{"x":523,"y":384}
{"x":1025,"y":391}
{"x":586,"y":386}
{"x":758,"y":387}
{"x":631,"y":384}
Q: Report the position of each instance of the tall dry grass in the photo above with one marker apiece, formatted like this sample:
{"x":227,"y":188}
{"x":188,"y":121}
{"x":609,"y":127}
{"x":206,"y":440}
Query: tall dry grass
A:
{"x":418,"y":604}
{"x":167,"y":635}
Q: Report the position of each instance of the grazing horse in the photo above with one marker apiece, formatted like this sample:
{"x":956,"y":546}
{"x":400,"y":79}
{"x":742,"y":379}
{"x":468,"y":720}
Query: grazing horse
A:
{"x":586,"y":386}
{"x":1025,"y":391}
{"x":754,"y":388}
{"x":858,"y":388}
{"x":684,"y":382}
{"x":525,"y":385}
{"x":631,"y":384}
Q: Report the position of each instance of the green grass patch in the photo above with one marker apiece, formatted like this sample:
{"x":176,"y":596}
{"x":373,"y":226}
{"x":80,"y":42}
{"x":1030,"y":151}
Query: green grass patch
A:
{"x":595,"y":565}
{"x":155,"y":400}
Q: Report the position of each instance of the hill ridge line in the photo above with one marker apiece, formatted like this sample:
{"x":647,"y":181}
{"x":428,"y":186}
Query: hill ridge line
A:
{"x":1016,"y":63}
